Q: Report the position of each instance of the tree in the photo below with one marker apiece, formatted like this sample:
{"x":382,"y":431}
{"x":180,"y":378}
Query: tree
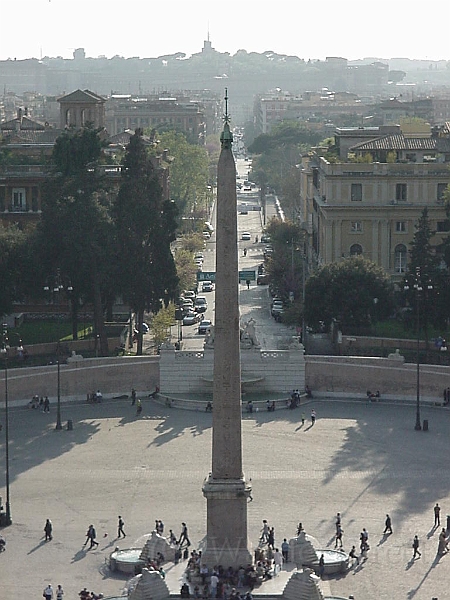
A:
{"x":76,"y":236}
{"x":189,"y":173}
{"x":161,"y":324}
{"x":279,"y":151}
{"x":145,"y":227}
{"x":186,"y":270}
{"x":355,"y":292}
{"x":285,"y":265}
{"x":12,"y":262}
{"x":425,"y":265}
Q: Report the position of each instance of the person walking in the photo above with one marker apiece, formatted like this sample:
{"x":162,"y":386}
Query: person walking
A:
{"x":90,"y":537}
{"x":339,"y":532}
{"x":138,"y":407}
{"x":48,"y":528}
{"x":303,"y":418}
{"x":313,"y":417}
{"x":184,"y":535}
{"x":338,"y":521}
{"x":352,"y":554}
{"x":285,"y":550}
{"x":48,"y":592}
{"x":133,"y":396}
{"x":443,"y":544}
{"x":172,"y":538}
{"x":437,"y":515}
{"x":416,"y":547}
{"x":364,"y":537}
{"x":120,"y":531}
{"x":59,"y":592}
{"x":321,"y":565}
{"x":271,"y":540}
{"x":388,"y":525}
{"x":277,"y":561}
{"x":264,"y":532}
{"x":46,"y":404}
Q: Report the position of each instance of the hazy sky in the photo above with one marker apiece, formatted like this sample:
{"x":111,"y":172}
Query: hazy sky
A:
{"x":308,"y":29}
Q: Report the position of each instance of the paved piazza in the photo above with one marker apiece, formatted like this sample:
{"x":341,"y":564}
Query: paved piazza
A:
{"x":363,"y":460}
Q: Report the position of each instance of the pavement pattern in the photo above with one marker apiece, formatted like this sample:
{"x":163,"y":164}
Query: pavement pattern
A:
{"x":362,"y":460}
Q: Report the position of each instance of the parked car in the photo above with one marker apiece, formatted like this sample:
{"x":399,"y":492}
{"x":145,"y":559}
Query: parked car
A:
{"x":206,"y":235}
{"x":191,"y":318}
{"x":246,"y":236}
{"x":189,"y":294}
{"x":188,"y":303}
{"x":265,"y":238}
{"x":277,"y":308}
{"x":204,"y":326}
{"x":262,"y":279}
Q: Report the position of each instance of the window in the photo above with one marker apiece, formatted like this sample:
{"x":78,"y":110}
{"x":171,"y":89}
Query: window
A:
{"x":18,"y":199}
{"x":400,"y":226}
{"x":400,"y":192}
{"x":400,"y":258}
{"x":441,"y":189}
{"x":356,"y":227}
{"x":443,"y":225}
{"x":356,"y":192}
{"x":356,"y":250}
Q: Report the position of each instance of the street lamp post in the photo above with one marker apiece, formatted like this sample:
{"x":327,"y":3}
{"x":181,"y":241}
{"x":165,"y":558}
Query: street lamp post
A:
{"x":6,"y":518}
{"x":58,"y":287}
{"x":416,"y":285}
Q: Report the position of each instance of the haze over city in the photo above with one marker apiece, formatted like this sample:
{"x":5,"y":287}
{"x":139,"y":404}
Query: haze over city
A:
{"x":137,"y":28}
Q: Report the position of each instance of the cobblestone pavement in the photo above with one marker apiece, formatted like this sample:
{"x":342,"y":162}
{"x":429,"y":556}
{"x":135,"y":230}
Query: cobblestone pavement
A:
{"x":359,"y":459}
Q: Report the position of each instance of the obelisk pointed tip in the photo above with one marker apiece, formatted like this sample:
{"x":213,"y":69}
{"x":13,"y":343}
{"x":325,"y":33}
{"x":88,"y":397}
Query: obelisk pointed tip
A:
{"x":226,"y":137}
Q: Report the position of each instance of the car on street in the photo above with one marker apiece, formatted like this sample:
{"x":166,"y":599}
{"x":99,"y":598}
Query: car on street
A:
{"x":188,"y":304}
{"x":262,"y":279}
{"x":189,"y":295}
{"x":207,"y":286}
{"x":246,"y":236}
{"x":206,"y":235}
{"x":191,"y":318}
{"x":265,"y":238}
{"x":204,"y":326}
{"x":200,"y":304}
{"x":277,"y":309}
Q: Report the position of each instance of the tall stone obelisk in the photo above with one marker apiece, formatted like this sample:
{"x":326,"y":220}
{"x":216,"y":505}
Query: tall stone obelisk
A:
{"x":226,"y":490}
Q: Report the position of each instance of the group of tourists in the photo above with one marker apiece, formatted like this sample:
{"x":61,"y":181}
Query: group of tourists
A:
{"x":40,"y":403}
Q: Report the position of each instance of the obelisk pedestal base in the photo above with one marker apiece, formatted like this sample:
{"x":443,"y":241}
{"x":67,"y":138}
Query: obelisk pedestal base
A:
{"x":226,"y":537}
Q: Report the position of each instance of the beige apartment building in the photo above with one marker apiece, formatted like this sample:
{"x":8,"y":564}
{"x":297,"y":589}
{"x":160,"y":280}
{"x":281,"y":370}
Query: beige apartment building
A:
{"x":366,"y":199}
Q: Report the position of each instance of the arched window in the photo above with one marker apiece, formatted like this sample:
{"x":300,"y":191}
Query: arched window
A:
{"x":356,"y":250}
{"x":400,"y":254}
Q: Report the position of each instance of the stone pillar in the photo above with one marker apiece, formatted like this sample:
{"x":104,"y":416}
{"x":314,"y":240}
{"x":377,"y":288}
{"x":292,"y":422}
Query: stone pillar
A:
{"x":226,"y":490}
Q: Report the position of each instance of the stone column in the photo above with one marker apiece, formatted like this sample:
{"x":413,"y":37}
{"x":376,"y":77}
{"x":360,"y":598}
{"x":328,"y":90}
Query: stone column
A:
{"x":225,"y":489}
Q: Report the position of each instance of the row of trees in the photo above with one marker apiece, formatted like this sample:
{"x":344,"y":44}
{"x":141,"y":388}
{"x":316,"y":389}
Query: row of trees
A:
{"x":107,"y":241}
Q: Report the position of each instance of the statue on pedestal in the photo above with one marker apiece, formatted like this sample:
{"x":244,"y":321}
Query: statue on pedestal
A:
{"x":248,"y":335}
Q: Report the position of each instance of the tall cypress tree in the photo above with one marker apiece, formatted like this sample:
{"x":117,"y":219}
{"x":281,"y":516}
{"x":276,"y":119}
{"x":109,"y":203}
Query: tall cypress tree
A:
{"x":423,"y":280}
{"x":146,"y":225}
{"x":76,"y":233}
